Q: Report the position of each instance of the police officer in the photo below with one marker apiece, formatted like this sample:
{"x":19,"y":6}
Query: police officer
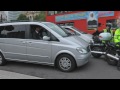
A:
{"x":117,"y":40}
{"x":109,"y":30}
{"x":117,"y":32}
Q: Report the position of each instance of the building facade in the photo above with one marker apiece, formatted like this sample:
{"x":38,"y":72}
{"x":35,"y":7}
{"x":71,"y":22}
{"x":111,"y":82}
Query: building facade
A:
{"x":12,"y":15}
{"x":31,"y":14}
{"x":3,"y":16}
{"x":87,"y":21}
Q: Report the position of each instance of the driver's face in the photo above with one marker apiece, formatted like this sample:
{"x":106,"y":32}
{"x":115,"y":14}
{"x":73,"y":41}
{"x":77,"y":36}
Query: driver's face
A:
{"x":38,"y":29}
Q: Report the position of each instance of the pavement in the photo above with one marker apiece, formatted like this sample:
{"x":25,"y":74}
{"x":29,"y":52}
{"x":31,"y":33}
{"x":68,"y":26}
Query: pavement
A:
{"x":13,"y":75}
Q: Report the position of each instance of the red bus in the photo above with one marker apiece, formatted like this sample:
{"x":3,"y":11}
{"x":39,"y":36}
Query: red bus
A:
{"x":88,"y":21}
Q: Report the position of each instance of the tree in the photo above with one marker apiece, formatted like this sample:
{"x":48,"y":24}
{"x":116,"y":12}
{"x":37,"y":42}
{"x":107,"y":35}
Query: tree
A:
{"x":22,"y":17}
{"x":40,"y":16}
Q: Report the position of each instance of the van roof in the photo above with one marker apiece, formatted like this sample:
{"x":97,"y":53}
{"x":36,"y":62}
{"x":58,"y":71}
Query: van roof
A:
{"x":17,"y":23}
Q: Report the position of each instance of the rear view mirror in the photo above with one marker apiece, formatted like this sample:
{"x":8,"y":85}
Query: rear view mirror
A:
{"x":46,"y":38}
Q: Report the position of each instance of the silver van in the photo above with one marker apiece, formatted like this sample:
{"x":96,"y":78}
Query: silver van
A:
{"x":53,"y":46}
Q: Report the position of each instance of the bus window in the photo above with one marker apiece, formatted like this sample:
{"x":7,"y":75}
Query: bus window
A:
{"x":99,"y":24}
{"x":113,"y":22}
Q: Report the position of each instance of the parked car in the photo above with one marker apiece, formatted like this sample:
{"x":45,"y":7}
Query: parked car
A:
{"x":56,"y":48}
{"x":87,"y":37}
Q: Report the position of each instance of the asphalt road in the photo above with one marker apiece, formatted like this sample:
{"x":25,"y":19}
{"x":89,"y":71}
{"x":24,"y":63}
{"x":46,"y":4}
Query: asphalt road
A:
{"x":95,"y":69}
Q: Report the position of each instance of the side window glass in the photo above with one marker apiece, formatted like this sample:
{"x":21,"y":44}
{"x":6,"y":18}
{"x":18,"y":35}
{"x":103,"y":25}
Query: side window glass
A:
{"x":2,"y":32}
{"x":37,"y":32}
{"x":70,"y":31}
{"x":53,"y":38}
{"x":14,"y":31}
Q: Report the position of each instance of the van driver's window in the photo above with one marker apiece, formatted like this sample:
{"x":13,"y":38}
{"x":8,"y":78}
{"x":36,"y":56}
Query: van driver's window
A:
{"x":14,"y":31}
{"x":37,"y":32}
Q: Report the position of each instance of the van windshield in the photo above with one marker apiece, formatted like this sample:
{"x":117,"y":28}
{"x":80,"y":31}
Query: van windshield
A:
{"x":79,"y":30}
{"x":58,"y":29}
{"x":71,"y":31}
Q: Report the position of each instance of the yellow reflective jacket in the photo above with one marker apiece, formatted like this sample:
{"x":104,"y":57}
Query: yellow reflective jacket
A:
{"x":117,"y":36}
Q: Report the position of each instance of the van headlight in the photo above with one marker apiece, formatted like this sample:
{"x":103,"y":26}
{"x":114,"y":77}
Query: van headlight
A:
{"x":81,"y":50}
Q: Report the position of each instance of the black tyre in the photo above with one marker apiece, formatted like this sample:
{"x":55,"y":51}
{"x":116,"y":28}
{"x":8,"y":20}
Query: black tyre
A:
{"x":118,"y":65}
{"x":96,"y":49}
{"x":2,"y":60}
{"x":66,"y":63}
{"x":118,"y":68}
{"x":111,"y":61}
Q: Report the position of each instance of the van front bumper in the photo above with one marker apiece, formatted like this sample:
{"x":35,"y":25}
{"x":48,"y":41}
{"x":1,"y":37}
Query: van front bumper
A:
{"x":83,"y":59}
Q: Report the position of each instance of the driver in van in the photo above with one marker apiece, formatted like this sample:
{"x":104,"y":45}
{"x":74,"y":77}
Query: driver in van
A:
{"x":39,"y":33}
{"x":36,"y":33}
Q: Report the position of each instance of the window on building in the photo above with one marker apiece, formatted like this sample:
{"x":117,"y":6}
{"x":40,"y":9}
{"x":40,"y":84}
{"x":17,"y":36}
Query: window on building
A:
{"x":60,"y":12}
{"x":69,"y":24}
{"x":55,"y":12}
{"x":113,"y":22}
{"x":66,"y":24}
{"x":61,"y":24}
{"x":99,"y":24}
{"x":51,"y":12}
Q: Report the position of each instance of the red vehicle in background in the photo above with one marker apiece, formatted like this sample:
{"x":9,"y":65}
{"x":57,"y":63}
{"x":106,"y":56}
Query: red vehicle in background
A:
{"x":88,"y":21}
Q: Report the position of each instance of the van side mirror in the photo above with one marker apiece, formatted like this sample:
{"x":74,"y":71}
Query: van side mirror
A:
{"x":46,"y":38}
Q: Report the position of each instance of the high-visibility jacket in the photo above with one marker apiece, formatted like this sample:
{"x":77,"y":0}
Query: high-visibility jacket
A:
{"x":117,"y":36}
{"x":112,"y":33}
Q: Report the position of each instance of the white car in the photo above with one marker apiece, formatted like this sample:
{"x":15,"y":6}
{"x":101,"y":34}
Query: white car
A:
{"x":87,"y":37}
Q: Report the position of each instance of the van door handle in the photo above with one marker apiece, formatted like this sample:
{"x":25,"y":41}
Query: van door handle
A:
{"x":23,"y":42}
{"x":29,"y":42}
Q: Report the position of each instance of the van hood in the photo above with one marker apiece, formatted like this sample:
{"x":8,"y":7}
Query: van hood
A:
{"x":78,"y":40}
{"x":88,"y":35}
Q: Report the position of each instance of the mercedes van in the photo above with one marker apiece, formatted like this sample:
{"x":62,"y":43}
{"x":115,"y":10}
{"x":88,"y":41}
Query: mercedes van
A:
{"x":56,"y":47}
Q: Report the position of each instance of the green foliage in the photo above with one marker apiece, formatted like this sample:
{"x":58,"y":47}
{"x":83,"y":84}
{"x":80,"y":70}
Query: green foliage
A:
{"x":40,"y":17}
{"x":22,"y":17}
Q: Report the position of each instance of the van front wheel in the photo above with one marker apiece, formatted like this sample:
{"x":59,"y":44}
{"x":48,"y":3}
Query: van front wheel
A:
{"x":2,"y":60}
{"x":66,"y":63}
